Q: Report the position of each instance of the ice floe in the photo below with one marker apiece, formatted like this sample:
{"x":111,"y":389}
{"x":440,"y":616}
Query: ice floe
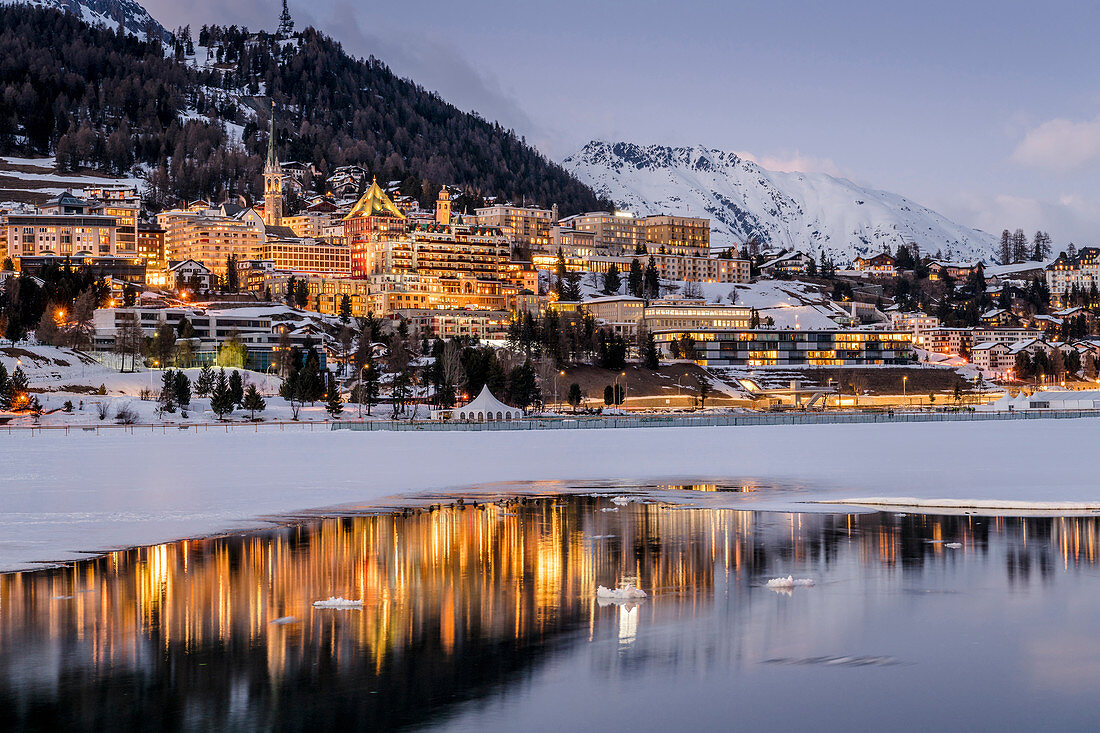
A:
{"x":335,"y":602}
{"x":625,"y":593}
{"x":789,"y":582}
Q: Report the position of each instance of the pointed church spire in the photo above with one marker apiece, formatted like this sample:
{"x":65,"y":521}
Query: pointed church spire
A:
{"x":272,"y":159}
{"x":273,"y":179}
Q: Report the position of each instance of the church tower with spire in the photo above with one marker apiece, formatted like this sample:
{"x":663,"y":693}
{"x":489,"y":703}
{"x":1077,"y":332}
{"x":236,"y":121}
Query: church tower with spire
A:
{"x":273,"y":180}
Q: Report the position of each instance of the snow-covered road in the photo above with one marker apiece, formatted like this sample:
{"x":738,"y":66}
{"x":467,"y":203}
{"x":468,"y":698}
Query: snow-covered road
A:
{"x":63,"y":495}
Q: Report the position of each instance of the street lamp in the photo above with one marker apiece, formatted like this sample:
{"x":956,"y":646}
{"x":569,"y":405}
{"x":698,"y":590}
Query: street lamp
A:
{"x":557,"y":400}
{"x":360,"y":387}
{"x":155,"y":365}
{"x":616,"y":390}
{"x":904,"y":393}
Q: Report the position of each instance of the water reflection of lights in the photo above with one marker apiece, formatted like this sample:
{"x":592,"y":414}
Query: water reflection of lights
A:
{"x":513,"y":577}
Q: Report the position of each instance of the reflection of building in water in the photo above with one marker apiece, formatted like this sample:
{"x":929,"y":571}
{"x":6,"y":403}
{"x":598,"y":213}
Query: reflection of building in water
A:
{"x":455,"y":601}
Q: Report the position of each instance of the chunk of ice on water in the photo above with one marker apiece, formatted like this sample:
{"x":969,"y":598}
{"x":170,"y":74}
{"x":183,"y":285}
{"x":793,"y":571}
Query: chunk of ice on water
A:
{"x":612,"y":509}
{"x":287,"y":619}
{"x":953,"y":545}
{"x":335,"y":602}
{"x":622,"y":499}
{"x":626,"y":593}
{"x":789,"y":582}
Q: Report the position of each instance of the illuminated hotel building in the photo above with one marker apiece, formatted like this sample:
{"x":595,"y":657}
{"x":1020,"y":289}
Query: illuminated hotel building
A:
{"x":669,"y":266}
{"x":770,"y":347}
{"x":1066,"y":273}
{"x":208,"y":239}
{"x":124,"y":204}
{"x":150,"y":245}
{"x":307,"y":255}
{"x":446,"y":324}
{"x":372,"y":220}
{"x":681,"y":235}
{"x":615,"y":233}
{"x":524,"y":226}
{"x":66,"y":226}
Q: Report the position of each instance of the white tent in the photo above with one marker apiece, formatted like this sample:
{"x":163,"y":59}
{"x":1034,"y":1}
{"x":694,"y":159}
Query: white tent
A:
{"x":1004,"y":404}
{"x":486,"y":408}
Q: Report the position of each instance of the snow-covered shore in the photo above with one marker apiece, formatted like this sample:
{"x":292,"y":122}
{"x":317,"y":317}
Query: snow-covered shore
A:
{"x":63,"y":495}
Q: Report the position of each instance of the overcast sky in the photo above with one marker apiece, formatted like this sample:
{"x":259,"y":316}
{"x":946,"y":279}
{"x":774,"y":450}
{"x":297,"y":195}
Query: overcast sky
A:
{"x":986,"y":111}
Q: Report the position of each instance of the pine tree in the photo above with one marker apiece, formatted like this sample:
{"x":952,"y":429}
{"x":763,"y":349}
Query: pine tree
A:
{"x":253,"y":402}
{"x":1041,"y":246}
{"x":704,"y":389}
{"x":612,"y":283}
{"x":204,"y":384}
{"x":1006,"y":247}
{"x":651,"y":357}
{"x":236,"y":387}
{"x":1019,"y":246}
{"x":19,"y":384}
{"x":291,"y":291}
{"x":560,"y":271}
{"x":345,"y":308}
{"x":334,"y":403}
{"x":182,"y":388}
{"x":232,"y":277}
{"x":576,"y":396}
{"x":312,"y":380}
{"x":221,"y":400}
{"x":168,"y":391}
{"x":652,"y":280}
{"x":635,"y":280}
{"x":523,"y":388}
{"x":5,"y":389}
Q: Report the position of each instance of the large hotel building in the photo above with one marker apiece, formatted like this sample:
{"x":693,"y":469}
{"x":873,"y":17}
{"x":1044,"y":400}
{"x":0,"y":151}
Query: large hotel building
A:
{"x":64,"y":227}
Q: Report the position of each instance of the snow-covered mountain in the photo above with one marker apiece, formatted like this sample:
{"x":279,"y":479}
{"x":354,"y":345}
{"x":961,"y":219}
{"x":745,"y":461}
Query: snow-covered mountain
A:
{"x":135,"y":18}
{"x":807,"y":211}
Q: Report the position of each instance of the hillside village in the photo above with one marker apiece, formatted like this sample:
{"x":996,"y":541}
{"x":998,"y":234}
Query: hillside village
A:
{"x":409,"y":312}
{"x":408,"y":296}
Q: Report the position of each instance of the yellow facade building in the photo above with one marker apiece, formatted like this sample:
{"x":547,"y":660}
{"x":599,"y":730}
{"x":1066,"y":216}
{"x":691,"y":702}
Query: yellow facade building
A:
{"x":681,"y":235}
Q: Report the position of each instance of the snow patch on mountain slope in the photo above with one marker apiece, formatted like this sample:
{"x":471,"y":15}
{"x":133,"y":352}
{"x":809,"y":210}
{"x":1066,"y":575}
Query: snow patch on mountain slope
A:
{"x":806,"y":211}
{"x":135,"y":18}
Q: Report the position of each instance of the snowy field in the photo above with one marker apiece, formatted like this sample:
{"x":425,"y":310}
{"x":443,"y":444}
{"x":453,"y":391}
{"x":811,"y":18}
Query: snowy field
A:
{"x":63,"y":495}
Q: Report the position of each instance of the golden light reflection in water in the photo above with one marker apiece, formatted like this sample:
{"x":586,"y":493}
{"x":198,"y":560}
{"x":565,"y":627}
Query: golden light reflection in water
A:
{"x":438,"y":582}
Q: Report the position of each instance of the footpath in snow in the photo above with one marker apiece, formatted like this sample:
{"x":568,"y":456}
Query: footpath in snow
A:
{"x":63,"y":495}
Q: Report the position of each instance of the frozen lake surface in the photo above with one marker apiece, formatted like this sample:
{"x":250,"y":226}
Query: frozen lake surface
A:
{"x":485,"y":618}
{"x":63,"y":496}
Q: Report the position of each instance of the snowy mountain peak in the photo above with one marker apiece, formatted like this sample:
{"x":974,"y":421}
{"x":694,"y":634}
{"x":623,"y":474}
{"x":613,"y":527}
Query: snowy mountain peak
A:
{"x":807,"y":211}
{"x":135,"y":19}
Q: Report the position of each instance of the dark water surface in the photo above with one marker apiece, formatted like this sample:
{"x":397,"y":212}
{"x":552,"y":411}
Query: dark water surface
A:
{"x":485,"y":619}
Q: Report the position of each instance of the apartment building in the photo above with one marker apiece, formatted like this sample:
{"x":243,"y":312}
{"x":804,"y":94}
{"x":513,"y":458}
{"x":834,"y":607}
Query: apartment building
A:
{"x":1080,"y":272}
{"x":680,"y":235}
{"x":205,"y":237}
{"x":150,"y":244}
{"x":614,"y":233}
{"x":307,"y":255}
{"x":523,"y":226}
{"x":124,"y":204}
{"x":258,"y":328}
{"x":65,"y":226}
{"x":446,"y":324}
